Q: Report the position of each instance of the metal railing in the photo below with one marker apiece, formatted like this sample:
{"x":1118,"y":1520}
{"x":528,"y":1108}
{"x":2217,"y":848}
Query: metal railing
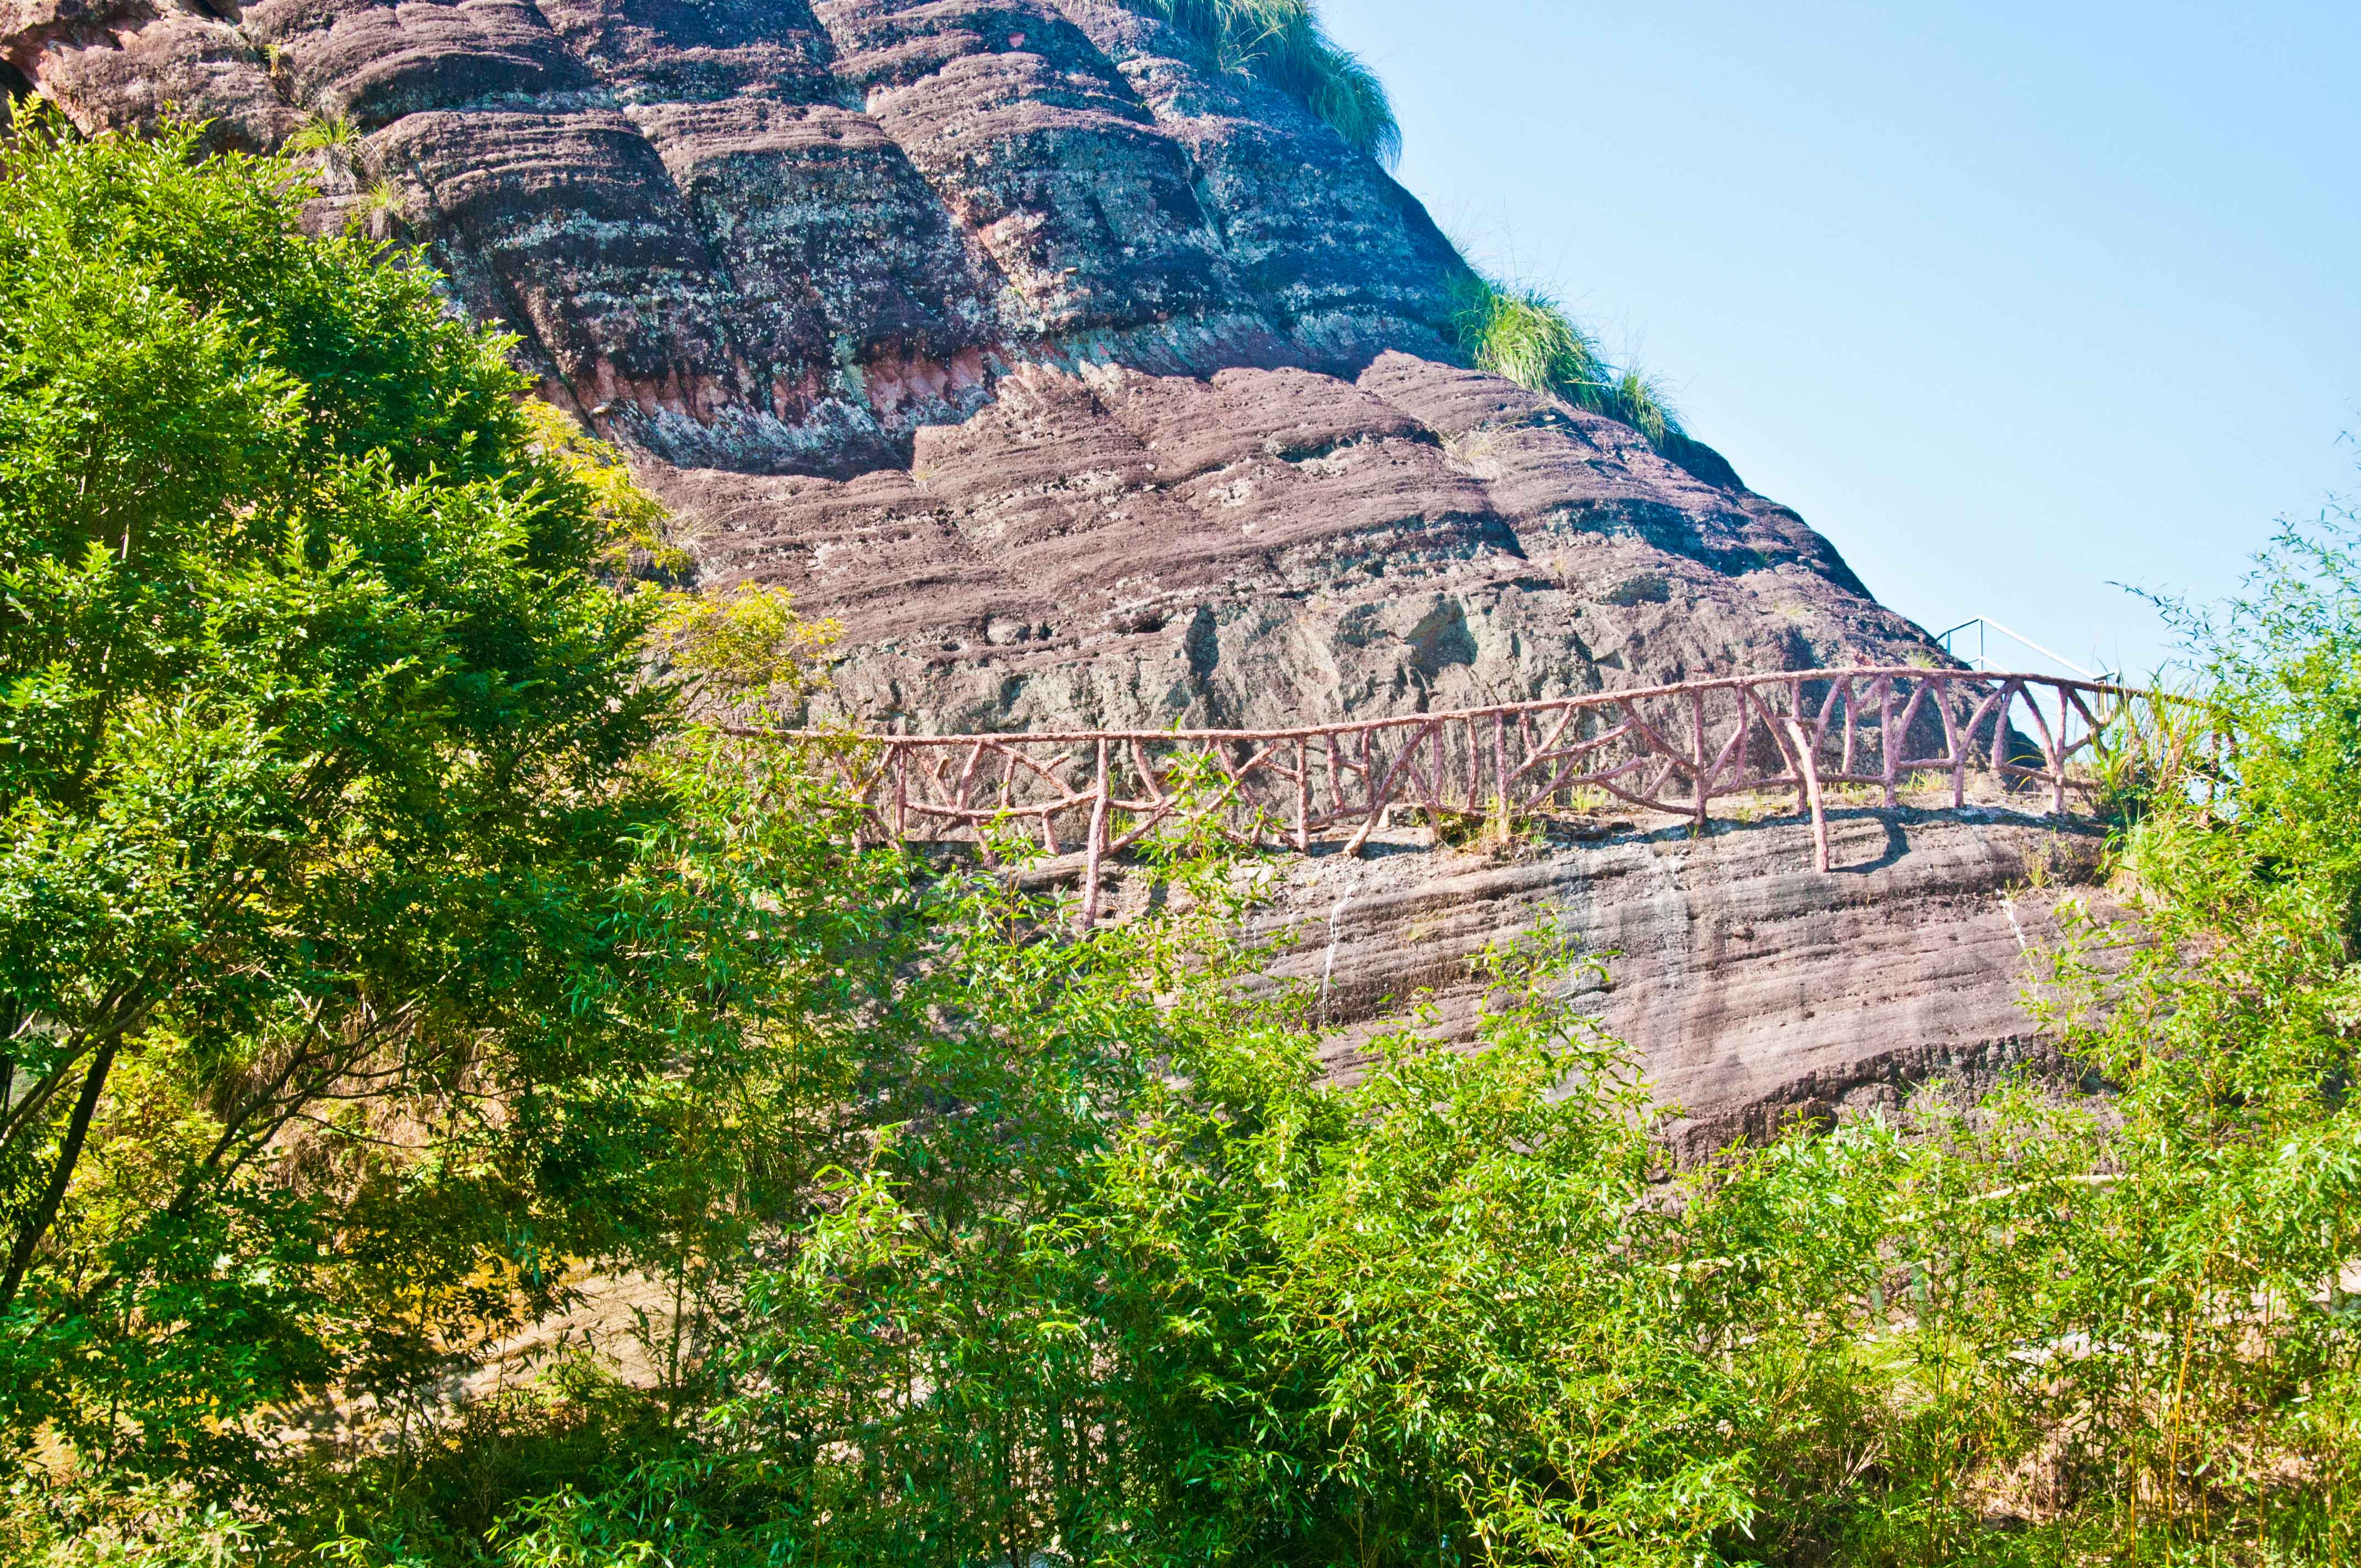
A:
{"x":1953,"y":642}
{"x":1673,"y":749}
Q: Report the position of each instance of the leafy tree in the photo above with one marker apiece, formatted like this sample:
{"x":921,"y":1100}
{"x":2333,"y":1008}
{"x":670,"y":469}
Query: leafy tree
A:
{"x":391,"y":958}
{"x":314,"y":727}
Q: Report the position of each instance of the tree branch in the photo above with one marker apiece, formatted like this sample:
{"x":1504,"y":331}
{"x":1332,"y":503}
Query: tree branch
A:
{"x":36,"y":1223}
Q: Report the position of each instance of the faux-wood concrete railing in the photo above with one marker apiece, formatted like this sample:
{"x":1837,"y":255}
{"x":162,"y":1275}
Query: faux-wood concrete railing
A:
{"x":1674,"y":749}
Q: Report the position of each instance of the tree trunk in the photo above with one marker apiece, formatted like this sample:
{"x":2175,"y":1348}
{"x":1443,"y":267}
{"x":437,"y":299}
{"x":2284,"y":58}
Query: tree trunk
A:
{"x":36,"y":1223}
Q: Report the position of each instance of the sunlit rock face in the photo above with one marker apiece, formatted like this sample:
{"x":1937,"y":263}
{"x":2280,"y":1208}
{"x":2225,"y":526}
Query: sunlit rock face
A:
{"x":1753,"y":987}
{"x":1085,"y":385}
{"x":1080,"y":382}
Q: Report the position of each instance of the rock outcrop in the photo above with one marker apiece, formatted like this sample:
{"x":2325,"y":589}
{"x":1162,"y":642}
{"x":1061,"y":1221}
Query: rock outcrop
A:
{"x":1082,"y":381}
{"x":1755,"y":986}
{"x":1087,"y":384}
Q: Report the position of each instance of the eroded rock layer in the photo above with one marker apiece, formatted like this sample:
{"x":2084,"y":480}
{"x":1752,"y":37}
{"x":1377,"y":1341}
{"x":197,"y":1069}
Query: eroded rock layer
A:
{"x":1755,"y":986}
{"x":1082,"y":381}
{"x":1086,"y":385}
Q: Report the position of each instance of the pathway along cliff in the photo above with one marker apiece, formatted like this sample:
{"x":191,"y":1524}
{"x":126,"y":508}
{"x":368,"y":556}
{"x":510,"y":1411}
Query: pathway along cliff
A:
{"x":1091,"y":386}
{"x":1834,"y":949}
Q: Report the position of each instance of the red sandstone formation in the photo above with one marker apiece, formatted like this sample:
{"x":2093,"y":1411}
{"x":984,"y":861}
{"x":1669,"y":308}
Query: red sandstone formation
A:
{"x":1084,"y":383}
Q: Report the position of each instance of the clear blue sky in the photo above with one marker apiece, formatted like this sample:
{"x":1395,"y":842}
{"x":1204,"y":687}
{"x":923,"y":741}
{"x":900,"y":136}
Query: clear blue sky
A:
{"x":2010,"y":300}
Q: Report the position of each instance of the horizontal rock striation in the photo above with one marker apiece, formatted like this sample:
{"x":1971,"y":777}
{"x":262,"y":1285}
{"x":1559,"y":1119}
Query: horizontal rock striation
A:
{"x":1267,"y":546}
{"x":1755,"y":987}
{"x":1080,"y":381}
{"x":771,"y":235}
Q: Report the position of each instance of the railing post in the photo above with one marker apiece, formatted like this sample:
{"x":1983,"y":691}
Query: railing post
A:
{"x":1851,"y":726}
{"x":1500,"y":764}
{"x":1302,"y":796}
{"x":901,"y":790}
{"x":1704,"y":790}
{"x":1095,"y":849}
{"x":1885,"y":737}
{"x":1256,"y":820}
{"x":2058,"y":758}
{"x":2003,"y":708}
{"x":1793,"y":728}
{"x":1474,"y":769}
{"x":1955,"y":744}
{"x":1807,"y":769}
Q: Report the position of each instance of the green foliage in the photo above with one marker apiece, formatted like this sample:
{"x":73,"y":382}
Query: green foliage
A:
{"x":634,"y":519}
{"x":2231,"y":1228}
{"x":311,"y":717}
{"x":1525,"y":335}
{"x":1113,"y":1277}
{"x":2154,"y":744}
{"x":1254,"y":1319}
{"x":1281,"y":44}
{"x":745,"y":650}
{"x":402,"y":990}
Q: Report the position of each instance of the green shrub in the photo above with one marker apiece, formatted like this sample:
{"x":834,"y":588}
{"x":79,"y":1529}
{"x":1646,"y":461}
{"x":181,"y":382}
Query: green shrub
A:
{"x":1257,"y":1320}
{"x":2219,"y":1253}
{"x":1281,"y":44}
{"x":1523,"y":335}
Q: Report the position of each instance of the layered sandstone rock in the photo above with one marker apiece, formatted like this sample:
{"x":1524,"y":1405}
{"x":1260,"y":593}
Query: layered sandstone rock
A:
{"x":1755,"y":986}
{"x":1081,"y":381}
{"x":1118,"y":548}
{"x":1086,"y":384}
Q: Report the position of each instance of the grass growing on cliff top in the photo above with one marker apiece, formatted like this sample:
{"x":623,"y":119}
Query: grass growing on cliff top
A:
{"x":1281,"y":44}
{"x":1513,"y":331}
{"x":1520,"y":332}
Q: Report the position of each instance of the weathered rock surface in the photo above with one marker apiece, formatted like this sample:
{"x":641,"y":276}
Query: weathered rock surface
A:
{"x":1264,"y":546}
{"x":1086,"y":384}
{"x":1082,"y":381}
{"x":1755,"y":986}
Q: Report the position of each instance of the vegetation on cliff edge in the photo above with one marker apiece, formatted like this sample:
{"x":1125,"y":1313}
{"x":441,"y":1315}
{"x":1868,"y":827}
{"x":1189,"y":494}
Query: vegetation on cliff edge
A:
{"x":1281,"y":44}
{"x":1523,"y":334}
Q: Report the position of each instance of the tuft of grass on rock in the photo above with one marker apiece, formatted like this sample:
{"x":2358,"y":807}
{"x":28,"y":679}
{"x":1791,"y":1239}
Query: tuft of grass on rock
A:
{"x":1281,"y":44}
{"x":329,"y":133}
{"x":1523,"y":335}
{"x":387,"y":196}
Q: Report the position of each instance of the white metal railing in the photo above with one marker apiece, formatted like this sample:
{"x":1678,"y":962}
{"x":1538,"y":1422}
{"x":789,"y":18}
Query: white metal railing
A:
{"x":1984,"y":625}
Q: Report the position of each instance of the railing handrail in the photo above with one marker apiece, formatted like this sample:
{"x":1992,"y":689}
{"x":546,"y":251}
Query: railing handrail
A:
{"x":1945,"y":636}
{"x":1665,"y":747}
{"x":1449,"y":716}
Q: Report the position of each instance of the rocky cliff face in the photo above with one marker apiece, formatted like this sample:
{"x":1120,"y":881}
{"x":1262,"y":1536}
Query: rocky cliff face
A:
{"x":1082,"y":381}
{"x":1755,"y":987}
{"x":1086,"y":384}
